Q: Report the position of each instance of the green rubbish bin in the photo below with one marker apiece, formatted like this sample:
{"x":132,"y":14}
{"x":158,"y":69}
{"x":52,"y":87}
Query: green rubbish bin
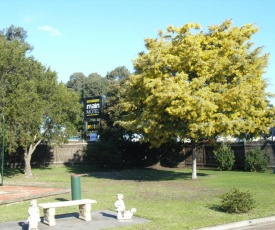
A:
{"x":76,"y":187}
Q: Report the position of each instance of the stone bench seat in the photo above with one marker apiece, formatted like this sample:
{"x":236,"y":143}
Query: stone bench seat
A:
{"x":84,"y":209}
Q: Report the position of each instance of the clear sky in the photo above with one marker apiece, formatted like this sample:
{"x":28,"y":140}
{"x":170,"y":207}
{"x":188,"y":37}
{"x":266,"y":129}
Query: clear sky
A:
{"x":99,"y":35}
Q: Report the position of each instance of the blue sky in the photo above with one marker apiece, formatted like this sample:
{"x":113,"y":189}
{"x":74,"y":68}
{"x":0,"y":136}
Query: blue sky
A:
{"x":99,"y":35}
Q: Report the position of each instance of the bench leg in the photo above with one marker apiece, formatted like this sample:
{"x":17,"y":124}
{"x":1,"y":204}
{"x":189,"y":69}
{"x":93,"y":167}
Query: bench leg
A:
{"x":49,"y":214}
{"x":85,"y":212}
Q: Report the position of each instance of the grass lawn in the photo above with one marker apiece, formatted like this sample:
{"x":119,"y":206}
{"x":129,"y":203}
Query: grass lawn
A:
{"x":168,"y":197}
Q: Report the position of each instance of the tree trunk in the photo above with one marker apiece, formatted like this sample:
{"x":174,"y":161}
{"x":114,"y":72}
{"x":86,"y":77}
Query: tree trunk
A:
{"x":194,"y":164}
{"x":27,"y":158}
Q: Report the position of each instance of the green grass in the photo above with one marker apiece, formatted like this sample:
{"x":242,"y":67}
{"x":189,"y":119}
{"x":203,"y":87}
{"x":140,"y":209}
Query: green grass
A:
{"x":168,"y":197}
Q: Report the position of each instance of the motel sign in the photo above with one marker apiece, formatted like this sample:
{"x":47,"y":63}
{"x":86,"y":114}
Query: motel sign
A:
{"x":93,"y":107}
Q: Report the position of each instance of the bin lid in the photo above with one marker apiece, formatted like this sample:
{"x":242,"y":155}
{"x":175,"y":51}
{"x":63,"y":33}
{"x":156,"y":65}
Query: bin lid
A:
{"x":76,"y":175}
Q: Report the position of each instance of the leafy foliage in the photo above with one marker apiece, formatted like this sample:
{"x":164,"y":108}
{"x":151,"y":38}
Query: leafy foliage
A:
{"x":107,"y":152}
{"x":236,"y":201}
{"x":77,"y":84}
{"x":18,"y":34}
{"x":256,"y":160}
{"x":93,"y":85}
{"x":35,"y":105}
{"x":118,"y":73}
{"x":225,"y":157}
{"x":103,"y":154}
{"x":96,"y":85}
{"x":197,"y":85}
{"x":112,"y":112}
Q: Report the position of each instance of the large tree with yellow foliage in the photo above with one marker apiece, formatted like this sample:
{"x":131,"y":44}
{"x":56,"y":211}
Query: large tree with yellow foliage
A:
{"x":198,"y":85}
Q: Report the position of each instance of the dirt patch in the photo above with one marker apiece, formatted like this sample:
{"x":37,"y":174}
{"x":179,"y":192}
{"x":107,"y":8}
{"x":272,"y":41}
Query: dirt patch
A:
{"x":12,"y":194}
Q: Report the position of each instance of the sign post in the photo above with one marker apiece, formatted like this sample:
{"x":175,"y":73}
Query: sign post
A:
{"x":92,"y":114}
{"x":3,"y":148}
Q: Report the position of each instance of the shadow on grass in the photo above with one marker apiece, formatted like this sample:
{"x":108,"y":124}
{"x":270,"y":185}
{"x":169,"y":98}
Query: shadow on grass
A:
{"x":80,"y":169}
{"x":10,"y":172}
{"x":146,"y":174}
{"x":216,"y":208}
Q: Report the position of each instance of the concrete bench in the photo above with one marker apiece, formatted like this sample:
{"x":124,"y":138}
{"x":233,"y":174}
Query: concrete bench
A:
{"x":84,"y":209}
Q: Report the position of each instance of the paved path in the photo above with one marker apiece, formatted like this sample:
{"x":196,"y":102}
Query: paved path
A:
{"x":107,"y":219}
{"x":100,"y":220}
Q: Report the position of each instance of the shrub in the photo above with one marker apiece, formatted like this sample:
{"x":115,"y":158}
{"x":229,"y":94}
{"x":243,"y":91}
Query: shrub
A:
{"x":225,"y":157}
{"x":256,"y":161}
{"x":236,"y":201}
{"x":103,"y":154}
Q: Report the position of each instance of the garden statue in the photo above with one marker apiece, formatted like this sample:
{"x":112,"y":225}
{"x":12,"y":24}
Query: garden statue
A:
{"x":34,"y":215}
{"x":122,"y":213}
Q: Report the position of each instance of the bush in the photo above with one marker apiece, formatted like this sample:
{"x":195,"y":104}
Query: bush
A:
{"x":236,"y":201}
{"x":103,"y":154}
{"x":225,"y":157}
{"x":256,"y":161}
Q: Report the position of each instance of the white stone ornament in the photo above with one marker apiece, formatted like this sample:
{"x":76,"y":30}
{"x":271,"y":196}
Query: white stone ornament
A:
{"x":122,"y":213}
{"x":34,"y":215}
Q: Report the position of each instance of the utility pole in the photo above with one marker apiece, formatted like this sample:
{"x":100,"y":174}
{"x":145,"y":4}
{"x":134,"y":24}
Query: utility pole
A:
{"x":3,"y":148}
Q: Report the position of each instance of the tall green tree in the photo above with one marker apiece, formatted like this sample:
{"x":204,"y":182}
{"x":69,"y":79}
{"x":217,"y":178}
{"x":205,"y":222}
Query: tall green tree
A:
{"x":96,"y":85}
{"x":114,"y":140}
{"x":111,"y":111}
{"x":14,"y":33}
{"x":36,"y":107}
{"x":93,"y":85}
{"x":197,"y":85}
{"x":77,"y":84}
{"x":118,"y":73}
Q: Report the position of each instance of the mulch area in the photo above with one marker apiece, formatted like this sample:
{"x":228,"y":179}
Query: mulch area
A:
{"x":12,"y":194}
